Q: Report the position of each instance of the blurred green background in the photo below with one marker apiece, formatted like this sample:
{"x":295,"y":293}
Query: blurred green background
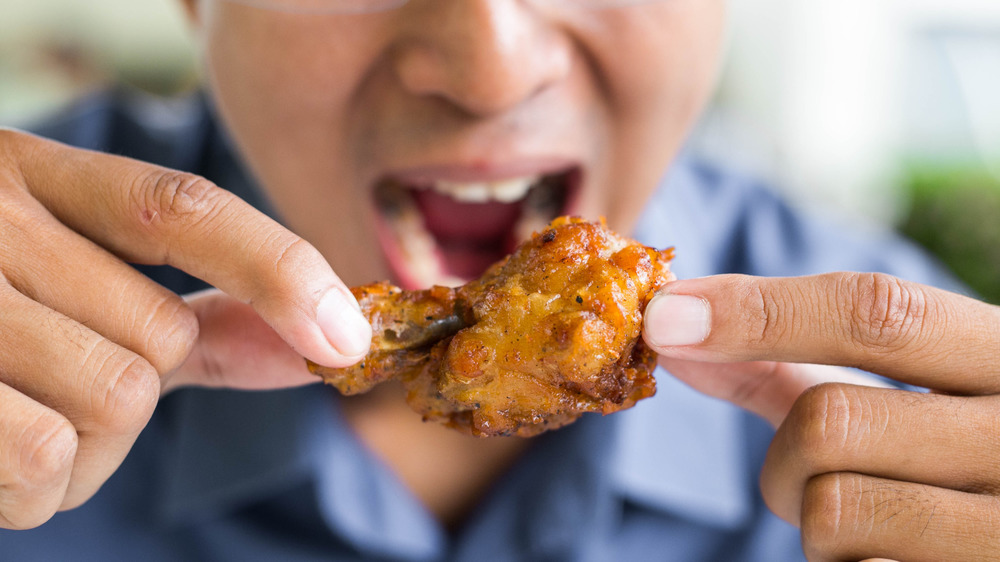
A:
{"x":53,"y":51}
{"x":954,"y":212}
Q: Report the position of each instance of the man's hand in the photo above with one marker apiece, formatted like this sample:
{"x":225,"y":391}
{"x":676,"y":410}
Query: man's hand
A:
{"x":865,"y":471}
{"x":86,"y":341}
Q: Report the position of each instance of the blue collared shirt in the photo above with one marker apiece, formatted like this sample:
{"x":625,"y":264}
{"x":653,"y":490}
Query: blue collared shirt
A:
{"x":243,"y":476}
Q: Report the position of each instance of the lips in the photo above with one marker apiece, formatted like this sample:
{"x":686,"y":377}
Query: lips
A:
{"x":445,"y":231}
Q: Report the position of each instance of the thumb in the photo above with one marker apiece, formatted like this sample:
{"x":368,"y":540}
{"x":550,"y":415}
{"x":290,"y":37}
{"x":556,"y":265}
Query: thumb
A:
{"x":766,"y":388}
{"x":236,"y":348}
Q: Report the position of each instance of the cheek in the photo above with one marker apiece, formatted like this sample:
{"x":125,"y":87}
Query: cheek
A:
{"x":286,"y":90}
{"x":672,"y":58}
{"x":275,"y":79}
{"x":658,"y":64}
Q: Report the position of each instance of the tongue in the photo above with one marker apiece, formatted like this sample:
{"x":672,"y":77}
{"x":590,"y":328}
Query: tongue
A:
{"x":470,"y":236}
{"x":468,"y":263}
{"x":469,"y":223}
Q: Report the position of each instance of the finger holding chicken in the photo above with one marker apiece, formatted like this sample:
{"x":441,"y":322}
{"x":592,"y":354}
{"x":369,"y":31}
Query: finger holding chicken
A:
{"x":545,"y":335}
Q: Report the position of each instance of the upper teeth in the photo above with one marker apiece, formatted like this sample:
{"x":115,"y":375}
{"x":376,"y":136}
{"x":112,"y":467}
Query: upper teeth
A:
{"x":504,"y":191}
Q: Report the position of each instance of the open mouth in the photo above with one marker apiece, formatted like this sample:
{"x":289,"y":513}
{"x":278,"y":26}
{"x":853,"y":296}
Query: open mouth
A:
{"x":446,"y":232}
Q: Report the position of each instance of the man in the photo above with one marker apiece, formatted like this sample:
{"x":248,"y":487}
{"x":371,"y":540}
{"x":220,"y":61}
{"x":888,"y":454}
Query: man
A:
{"x":353,"y":117}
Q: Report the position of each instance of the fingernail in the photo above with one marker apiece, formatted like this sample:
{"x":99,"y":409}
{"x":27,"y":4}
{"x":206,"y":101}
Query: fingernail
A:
{"x":339,"y":316}
{"x":674,"y":320}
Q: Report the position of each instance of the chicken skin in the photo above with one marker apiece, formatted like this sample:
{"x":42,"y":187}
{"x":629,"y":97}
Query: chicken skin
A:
{"x":548,"y":333}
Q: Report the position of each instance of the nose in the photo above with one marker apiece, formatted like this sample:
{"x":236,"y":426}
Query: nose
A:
{"x":484,"y":56}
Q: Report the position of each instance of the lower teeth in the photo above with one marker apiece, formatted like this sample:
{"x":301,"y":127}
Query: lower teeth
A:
{"x":416,"y":244}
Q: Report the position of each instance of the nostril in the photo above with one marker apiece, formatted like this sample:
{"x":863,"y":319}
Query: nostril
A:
{"x":492,"y":59}
{"x":488,"y":88}
{"x":419,"y":70}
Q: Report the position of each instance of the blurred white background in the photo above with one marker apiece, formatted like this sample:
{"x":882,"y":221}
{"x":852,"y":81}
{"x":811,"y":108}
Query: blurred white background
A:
{"x":842,"y":96}
{"x":831,"y":99}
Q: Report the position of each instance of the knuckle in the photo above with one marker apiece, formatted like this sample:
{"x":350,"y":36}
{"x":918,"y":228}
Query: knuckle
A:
{"x":825,"y":423}
{"x":829,"y":514}
{"x":168,"y":198}
{"x":886,"y":313}
{"x":766,"y":314}
{"x":47,"y":450}
{"x":170,"y":333}
{"x":844,"y":514}
{"x":126,"y":394}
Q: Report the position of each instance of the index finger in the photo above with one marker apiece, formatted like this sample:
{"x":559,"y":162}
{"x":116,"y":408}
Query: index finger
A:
{"x":153,"y":215}
{"x":910,"y":332}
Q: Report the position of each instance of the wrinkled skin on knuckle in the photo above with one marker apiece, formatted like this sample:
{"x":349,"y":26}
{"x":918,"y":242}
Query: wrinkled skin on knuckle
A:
{"x":885,"y":313}
{"x":845,"y":515}
{"x":45,"y":453}
{"x":767,"y":313}
{"x":126,"y":393}
{"x":813,"y":434}
{"x":168,"y":200}
{"x":827,"y":516}
{"x":824,"y":421}
{"x":170,"y":334}
{"x":46,"y":450}
{"x":842,"y":513}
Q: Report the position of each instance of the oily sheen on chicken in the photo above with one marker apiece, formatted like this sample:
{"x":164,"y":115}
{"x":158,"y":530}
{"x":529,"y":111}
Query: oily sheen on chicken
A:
{"x":545,"y":335}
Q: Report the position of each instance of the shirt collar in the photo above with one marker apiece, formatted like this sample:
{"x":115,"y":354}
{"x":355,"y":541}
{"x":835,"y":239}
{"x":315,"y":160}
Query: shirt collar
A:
{"x":681,"y":452}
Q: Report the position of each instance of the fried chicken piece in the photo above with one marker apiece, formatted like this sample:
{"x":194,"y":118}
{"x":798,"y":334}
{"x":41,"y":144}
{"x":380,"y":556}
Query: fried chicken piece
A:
{"x":546,"y":334}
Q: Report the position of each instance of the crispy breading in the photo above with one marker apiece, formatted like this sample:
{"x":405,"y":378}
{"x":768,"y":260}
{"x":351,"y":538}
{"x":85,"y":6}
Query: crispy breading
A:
{"x":546,"y":334}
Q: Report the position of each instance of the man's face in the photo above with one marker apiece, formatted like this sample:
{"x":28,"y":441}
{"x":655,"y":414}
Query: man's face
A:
{"x":420,"y":143}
